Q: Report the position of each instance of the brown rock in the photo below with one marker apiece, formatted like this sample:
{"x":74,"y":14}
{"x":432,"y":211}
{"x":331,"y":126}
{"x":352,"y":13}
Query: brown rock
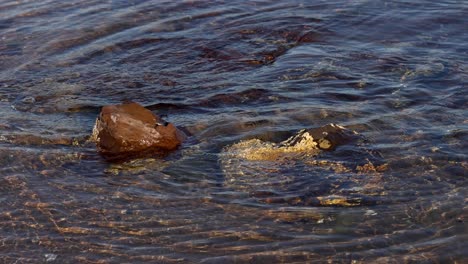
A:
{"x":129,"y":129}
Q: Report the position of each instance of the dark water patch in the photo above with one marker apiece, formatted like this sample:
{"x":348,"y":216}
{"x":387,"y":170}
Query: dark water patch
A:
{"x":173,"y":107}
{"x":344,"y":97}
{"x":249,"y":96}
{"x":454,"y":100}
{"x":113,"y":50}
{"x":11,"y":50}
{"x":51,"y":97}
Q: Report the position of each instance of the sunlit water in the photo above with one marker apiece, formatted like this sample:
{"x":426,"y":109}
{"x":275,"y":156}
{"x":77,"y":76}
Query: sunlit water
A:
{"x":394,"y":71}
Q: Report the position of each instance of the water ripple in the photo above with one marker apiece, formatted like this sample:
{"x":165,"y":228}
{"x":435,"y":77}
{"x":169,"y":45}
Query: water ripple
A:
{"x":225,"y":72}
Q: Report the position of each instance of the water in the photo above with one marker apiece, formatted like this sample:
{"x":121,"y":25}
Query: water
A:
{"x":394,"y":71}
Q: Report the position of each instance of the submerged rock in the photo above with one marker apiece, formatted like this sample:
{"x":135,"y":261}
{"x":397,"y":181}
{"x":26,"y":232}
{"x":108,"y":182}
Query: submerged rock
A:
{"x":307,"y":142}
{"x":326,"y":166}
{"x":130,"y":129}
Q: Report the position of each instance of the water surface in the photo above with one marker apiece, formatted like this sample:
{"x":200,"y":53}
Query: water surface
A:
{"x":394,"y":71}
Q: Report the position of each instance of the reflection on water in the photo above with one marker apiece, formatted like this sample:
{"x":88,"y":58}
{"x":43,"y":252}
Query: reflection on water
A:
{"x":230,"y":71}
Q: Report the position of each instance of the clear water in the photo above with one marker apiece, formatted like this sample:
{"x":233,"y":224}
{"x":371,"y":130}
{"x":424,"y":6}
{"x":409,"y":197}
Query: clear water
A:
{"x":395,"y":71}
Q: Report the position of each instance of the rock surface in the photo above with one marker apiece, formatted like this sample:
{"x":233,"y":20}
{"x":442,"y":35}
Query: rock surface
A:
{"x":325,"y":166}
{"x":130,"y":129}
{"x":307,"y":142}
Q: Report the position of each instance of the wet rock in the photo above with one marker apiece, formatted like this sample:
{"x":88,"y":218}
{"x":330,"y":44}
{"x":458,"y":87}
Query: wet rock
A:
{"x":130,"y":129}
{"x":307,"y":142}
{"x":324,"y":166}
{"x":326,"y":137}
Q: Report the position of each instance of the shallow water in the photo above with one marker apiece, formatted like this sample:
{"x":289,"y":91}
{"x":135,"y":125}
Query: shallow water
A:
{"x":396,"y":72}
